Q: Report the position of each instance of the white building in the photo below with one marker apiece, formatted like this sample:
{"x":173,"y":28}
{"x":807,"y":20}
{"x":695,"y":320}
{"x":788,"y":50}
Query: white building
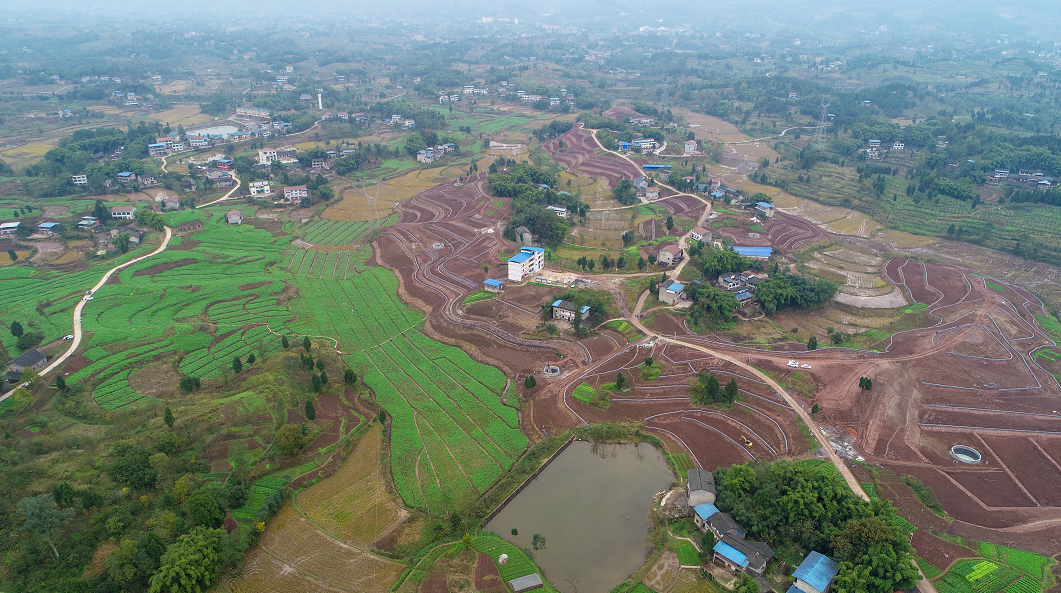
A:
{"x":528,"y":261}
{"x":559,"y":210}
{"x":234,"y":217}
{"x":80,"y":180}
{"x":295,"y":192}
{"x":690,"y":147}
{"x":123,"y":212}
{"x":266,"y":156}
{"x":260,"y":188}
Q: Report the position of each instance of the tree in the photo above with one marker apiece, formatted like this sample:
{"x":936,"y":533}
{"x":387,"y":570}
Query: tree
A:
{"x":530,"y":382}
{"x":14,"y":256}
{"x":237,"y":366}
{"x":592,"y":264}
{"x":515,"y":532}
{"x":16,"y":329}
{"x":812,"y":343}
{"x":43,"y":519}
{"x":130,"y":465}
{"x":190,"y":384}
{"x":649,"y":361}
{"x":121,"y":243}
{"x":538,"y":542}
{"x":865,"y":384}
{"x":814,"y":409}
{"x":320,"y":364}
{"x":670,"y":222}
{"x":620,"y":381}
{"x":60,"y":383}
{"x":311,"y":412}
{"x":628,"y":238}
{"x":291,"y":439}
{"x":732,"y":390}
{"x":306,"y":344}
{"x":204,"y":508}
{"x":349,"y":378}
{"x":706,"y":389}
{"x":284,"y":342}
{"x":315,"y":382}
{"x":167,"y":417}
{"x":467,"y":542}
{"x":640,"y":263}
{"x":324,"y":377}
{"x":250,"y":359}
{"x":190,"y":564}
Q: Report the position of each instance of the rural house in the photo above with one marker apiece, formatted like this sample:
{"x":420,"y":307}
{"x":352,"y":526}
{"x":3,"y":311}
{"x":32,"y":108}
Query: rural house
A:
{"x":765,"y":208}
{"x":524,"y":236}
{"x":528,"y":261}
{"x":295,"y":192}
{"x":669,"y":255}
{"x":730,"y":281}
{"x":260,"y":188}
{"x":698,"y":234}
{"x":191,"y":225}
{"x":135,"y":234}
{"x":123,"y":212}
{"x":529,"y":582}
{"x":735,"y":553}
{"x":701,"y":487}
{"x":9,"y":228}
{"x":565,"y":311}
{"x":30,"y":359}
{"x":266,"y":156}
{"x":234,"y":217}
{"x":814,"y":575}
{"x":671,"y":292}
{"x":491,"y":285}
{"x":48,"y":229}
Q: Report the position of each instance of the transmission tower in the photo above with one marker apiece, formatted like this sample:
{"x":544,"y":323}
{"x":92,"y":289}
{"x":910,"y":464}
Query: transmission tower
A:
{"x":818,"y":142}
{"x":663,"y":99}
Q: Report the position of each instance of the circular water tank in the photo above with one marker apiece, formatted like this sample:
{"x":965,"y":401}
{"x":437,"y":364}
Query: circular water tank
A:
{"x":965,"y":454}
{"x":502,"y":559}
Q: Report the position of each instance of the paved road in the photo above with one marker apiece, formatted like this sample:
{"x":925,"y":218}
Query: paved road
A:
{"x":224,"y":197}
{"x":826,"y":446}
{"x":81,"y":305}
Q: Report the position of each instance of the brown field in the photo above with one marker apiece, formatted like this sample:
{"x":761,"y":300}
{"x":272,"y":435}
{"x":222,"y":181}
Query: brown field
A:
{"x":186,"y":115}
{"x":353,"y":504}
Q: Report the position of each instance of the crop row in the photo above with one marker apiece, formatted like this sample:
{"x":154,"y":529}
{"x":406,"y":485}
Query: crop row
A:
{"x":1027,"y":562}
{"x":487,"y":375}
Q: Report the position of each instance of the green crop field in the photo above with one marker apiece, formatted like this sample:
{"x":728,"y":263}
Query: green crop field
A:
{"x":687,"y":554}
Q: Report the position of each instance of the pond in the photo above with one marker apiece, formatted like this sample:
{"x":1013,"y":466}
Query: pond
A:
{"x":221,"y":130}
{"x":591,"y":505}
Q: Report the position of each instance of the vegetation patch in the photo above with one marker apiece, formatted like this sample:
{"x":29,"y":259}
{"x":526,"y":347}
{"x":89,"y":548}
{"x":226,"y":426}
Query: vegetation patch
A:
{"x":475,"y":297}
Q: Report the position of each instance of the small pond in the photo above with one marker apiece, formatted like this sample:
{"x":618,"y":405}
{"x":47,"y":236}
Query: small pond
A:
{"x":965,"y":454}
{"x":220,"y":130}
{"x":591,"y":505}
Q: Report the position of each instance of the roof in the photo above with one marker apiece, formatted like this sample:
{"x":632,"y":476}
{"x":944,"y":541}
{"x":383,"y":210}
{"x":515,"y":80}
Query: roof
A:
{"x":565,"y":305}
{"x":704,"y":511}
{"x":121,"y":208}
{"x":48,"y":225}
{"x":234,"y":212}
{"x":294,"y":187}
{"x":795,"y":589}
{"x":492,"y":282}
{"x":675,"y":287}
{"x":732,"y":554}
{"x":29,"y":358}
{"x":526,"y":583}
{"x":124,"y":174}
{"x":754,"y":251}
{"x":674,"y":249}
{"x":699,"y":231}
{"x":520,"y":257}
{"x":584,"y":309}
{"x":817,"y":570}
{"x":533,"y":249}
{"x":10,"y":225}
{"x":766,"y":205}
{"x":723,"y":523}
{"x":744,"y":296}
{"x":701,"y":479}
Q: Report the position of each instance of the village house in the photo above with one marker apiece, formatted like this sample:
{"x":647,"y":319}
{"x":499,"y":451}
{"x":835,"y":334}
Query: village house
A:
{"x":135,"y":234}
{"x":524,"y":236}
{"x":745,"y":298}
{"x":9,"y":228}
{"x":565,"y":311}
{"x":492,"y":285}
{"x":736,"y":554}
{"x":87,"y":222}
{"x":147,"y":182}
{"x":765,"y":208}
{"x":814,"y":575}
{"x":652,"y":194}
{"x":157,"y":149}
{"x":234,"y":217}
{"x":48,"y":229}
{"x":295,"y":192}
{"x":198,"y":141}
{"x":260,"y":188}
{"x":80,"y":179}
{"x":640,"y":184}
{"x":266,"y":156}
{"x":558,"y":210}
{"x":30,"y":359}
{"x":528,"y":261}
{"x":126,"y":177}
{"x":700,"y":487}
{"x":690,"y":147}
{"x":698,"y":234}
{"x":191,"y":225}
{"x":225,"y":165}
{"x":730,"y":281}
{"x":670,"y":292}
{"x":669,"y":255}
{"x":123,"y":212}
{"x":898,"y":146}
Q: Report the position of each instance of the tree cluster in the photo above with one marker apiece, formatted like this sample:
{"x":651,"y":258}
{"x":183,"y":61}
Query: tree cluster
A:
{"x":785,"y":290}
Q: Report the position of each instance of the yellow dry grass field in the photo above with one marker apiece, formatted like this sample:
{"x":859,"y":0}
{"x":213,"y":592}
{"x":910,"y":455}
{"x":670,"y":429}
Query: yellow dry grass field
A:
{"x":186,"y":115}
{"x":294,"y":556}
{"x":711,"y":127}
{"x":5,"y":259}
{"x":903,"y":239}
{"x":842,"y":221}
{"x":176,"y":86}
{"x":27,"y":154}
{"x":356,"y":205}
{"x":353,"y":504}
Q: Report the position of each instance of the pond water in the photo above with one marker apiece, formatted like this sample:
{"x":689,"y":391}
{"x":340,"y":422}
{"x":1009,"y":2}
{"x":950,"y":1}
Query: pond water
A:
{"x":221,"y":130}
{"x":591,"y":505}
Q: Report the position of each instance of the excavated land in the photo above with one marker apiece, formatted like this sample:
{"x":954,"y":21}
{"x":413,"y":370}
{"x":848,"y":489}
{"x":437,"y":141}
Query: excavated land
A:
{"x":966,"y":374}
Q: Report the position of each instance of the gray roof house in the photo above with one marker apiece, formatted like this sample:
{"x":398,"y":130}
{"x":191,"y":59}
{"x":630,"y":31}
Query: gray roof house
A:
{"x":30,"y":359}
{"x":701,"y":487}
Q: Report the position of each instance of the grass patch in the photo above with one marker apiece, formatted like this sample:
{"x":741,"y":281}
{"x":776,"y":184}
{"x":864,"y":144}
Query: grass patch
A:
{"x":928,"y":568}
{"x":915,"y":308}
{"x":924,"y":494}
{"x":586,"y":394}
{"x":650,"y":373}
{"x":800,"y":383}
{"x":870,"y":489}
{"x":625,"y":328}
{"x":682,"y":462}
{"x":1051,"y":326}
{"x":687,"y":554}
{"x":475,"y":297}
{"x":995,"y":287}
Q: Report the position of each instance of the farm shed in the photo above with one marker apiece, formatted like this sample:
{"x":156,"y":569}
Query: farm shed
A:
{"x":526,"y":583}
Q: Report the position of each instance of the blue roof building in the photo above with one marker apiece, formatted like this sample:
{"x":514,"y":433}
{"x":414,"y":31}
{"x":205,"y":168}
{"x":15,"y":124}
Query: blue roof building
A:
{"x":557,"y":303}
{"x":704,"y":511}
{"x":521,"y":257}
{"x":583,"y":310}
{"x":815,"y":574}
{"x":624,"y":145}
{"x":717,"y":194}
{"x":48,"y":225}
{"x":733,"y":555}
{"x":656,"y":167}
{"x":492,"y":282}
{"x":754,"y":252}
